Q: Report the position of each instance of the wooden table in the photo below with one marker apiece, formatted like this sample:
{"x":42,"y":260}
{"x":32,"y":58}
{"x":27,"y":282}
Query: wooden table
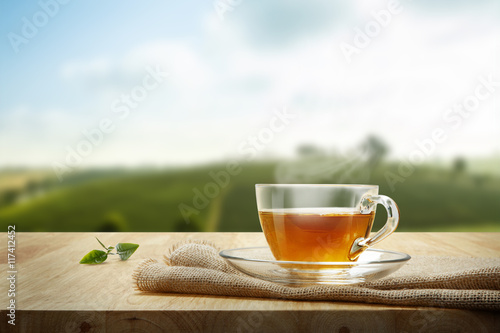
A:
{"x":54,"y":293}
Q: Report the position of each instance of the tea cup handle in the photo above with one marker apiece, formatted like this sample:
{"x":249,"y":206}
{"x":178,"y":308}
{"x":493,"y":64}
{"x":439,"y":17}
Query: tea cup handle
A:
{"x":368,"y":204}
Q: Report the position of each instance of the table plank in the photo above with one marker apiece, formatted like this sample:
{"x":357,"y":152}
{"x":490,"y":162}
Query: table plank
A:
{"x":53,"y":289}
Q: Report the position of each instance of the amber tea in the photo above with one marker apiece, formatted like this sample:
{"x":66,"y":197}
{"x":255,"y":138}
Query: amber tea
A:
{"x":322,"y":222}
{"x":314,"y":234}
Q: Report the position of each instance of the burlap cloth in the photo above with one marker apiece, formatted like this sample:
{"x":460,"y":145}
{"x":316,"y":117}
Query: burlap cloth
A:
{"x":195,"y":267}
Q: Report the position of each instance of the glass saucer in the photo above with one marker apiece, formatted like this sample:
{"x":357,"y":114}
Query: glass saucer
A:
{"x":259,"y":262}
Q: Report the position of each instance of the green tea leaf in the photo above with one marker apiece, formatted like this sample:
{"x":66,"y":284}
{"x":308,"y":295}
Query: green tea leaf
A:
{"x":125,"y":250}
{"x":94,"y":257}
{"x":101,"y":243}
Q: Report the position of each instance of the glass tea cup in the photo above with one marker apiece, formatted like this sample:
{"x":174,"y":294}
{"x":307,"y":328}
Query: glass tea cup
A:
{"x":322,"y":223}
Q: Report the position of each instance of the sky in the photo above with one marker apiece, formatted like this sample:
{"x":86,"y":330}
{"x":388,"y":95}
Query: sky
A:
{"x":130,"y":83}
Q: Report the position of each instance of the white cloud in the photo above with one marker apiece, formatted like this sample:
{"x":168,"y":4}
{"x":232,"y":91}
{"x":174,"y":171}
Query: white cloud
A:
{"x":95,"y":68}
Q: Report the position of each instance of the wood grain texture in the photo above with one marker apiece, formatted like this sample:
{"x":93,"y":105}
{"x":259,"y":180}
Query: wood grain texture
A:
{"x":56,"y":294}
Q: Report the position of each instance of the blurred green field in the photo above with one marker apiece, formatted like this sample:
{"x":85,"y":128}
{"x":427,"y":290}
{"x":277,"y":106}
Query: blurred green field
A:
{"x":431,"y":199}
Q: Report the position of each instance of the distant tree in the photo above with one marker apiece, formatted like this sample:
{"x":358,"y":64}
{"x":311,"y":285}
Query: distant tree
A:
{"x":309,"y":150}
{"x":31,"y":187}
{"x":183,"y":226}
{"x":459,"y":165}
{"x":47,"y":183}
{"x":10,"y":196}
{"x":376,"y":150}
{"x":113,"y":222}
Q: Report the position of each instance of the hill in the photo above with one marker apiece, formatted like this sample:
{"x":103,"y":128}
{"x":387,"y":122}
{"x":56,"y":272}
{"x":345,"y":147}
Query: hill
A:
{"x":431,"y":199}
